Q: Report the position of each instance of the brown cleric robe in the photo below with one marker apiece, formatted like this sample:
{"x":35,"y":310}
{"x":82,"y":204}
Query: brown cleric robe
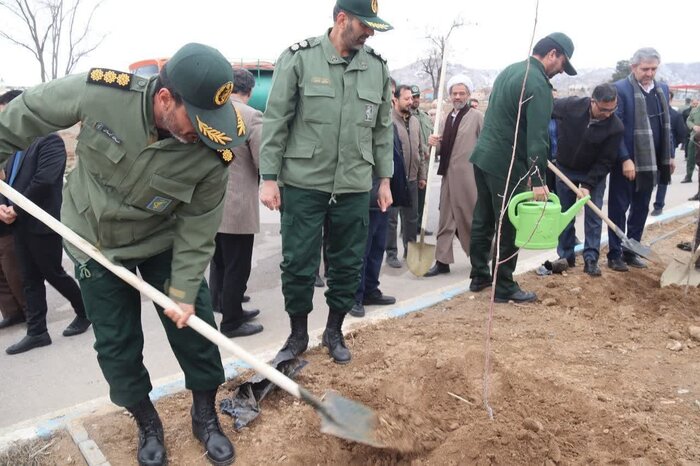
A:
{"x":458,"y":189}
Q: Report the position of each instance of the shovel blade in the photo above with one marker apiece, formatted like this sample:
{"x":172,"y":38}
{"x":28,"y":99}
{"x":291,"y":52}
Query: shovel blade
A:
{"x":638,"y":248}
{"x":680,"y":273}
{"x":348,"y":419}
{"x":420,"y":258}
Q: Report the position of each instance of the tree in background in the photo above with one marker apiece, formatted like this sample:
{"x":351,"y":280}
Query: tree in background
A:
{"x":432,"y":64}
{"x":622,"y":70}
{"x":55,"y":32}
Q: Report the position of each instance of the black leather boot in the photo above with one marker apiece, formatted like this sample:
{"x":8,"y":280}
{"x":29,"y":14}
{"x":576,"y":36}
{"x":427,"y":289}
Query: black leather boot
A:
{"x":151,"y":449}
{"x":206,"y":428}
{"x":298,"y":340}
{"x":333,"y":338}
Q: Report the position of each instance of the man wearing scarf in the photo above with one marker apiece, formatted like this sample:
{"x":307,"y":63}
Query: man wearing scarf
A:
{"x":645,"y":153}
{"x":461,"y":128}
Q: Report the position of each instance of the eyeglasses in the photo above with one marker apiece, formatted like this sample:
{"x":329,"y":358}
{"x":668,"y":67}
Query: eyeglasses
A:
{"x":605,"y":110}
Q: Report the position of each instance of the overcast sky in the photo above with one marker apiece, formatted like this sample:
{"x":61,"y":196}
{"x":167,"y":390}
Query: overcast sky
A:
{"x":497,"y":32}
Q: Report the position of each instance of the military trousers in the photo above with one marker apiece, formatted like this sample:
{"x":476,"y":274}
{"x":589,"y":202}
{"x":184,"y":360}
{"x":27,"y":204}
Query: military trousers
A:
{"x":304,"y":212}
{"x":114,"y":308}
{"x":486,"y":214}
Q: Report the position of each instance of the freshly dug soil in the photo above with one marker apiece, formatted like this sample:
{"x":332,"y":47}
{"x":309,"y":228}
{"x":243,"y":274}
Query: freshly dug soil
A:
{"x":584,"y":376}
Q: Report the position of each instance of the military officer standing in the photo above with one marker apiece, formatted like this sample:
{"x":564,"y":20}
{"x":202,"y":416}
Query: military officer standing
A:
{"x":326,"y":129}
{"x":148,"y":191}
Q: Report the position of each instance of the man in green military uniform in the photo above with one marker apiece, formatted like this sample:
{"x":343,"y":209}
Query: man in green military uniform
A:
{"x":148,"y":191}
{"x":426,"y":128}
{"x":493,"y":152}
{"x":326,"y":130}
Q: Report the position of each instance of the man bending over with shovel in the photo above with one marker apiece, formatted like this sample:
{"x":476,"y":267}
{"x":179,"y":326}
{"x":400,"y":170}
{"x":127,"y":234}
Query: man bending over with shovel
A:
{"x":148,"y":191}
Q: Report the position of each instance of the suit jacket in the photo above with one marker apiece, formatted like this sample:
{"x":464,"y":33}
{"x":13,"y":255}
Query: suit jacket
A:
{"x":242,"y":206}
{"x":625,"y":111}
{"x":40,"y":179}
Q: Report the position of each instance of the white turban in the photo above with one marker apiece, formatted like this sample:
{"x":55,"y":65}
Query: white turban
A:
{"x":460,"y":79}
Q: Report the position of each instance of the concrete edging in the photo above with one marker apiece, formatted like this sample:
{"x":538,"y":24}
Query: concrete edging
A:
{"x":69,"y":418}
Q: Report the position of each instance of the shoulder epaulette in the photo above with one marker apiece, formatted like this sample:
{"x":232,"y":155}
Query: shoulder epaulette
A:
{"x":371,"y":51}
{"x":227,"y":155}
{"x":110,"y":78}
{"x":304,"y":44}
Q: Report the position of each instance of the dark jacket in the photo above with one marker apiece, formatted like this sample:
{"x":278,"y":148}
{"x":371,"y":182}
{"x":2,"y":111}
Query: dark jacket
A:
{"x":583,"y":146}
{"x":40,"y":179}
{"x":625,"y":110}
{"x":399,"y":181}
{"x":679,"y":131}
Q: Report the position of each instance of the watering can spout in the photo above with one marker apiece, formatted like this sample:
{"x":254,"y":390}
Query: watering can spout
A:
{"x":567,"y":216}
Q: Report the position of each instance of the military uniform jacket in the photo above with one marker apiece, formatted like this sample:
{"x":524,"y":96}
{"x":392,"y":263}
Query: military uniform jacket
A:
{"x":327,"y":125}
{"x":495,"y":146}
{"x":131,"y":195}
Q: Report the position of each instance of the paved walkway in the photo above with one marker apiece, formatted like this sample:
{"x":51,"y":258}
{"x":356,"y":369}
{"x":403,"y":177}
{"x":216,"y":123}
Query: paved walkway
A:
{"x":55,"y":378}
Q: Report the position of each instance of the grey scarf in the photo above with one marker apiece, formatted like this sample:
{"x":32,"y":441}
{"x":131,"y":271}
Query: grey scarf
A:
{"x":646,"y":160}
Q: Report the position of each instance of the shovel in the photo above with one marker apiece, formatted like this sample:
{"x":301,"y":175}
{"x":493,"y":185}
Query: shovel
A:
{"x":629,"y":244}
{"x":340,"y":416}
{"x":681,"y":273}
{"x":420,"y":256}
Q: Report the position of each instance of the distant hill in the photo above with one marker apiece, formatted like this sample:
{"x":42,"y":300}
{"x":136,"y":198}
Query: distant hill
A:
{"x":584,"y":82}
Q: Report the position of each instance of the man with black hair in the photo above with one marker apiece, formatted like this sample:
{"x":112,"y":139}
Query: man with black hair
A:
{"x":588,"y":137}
{"x":149,"y":193}
{"x":494,"y":150}
{"x":230,"y":265}
{"x":408,"y":127}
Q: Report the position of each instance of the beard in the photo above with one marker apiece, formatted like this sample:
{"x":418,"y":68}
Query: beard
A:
{"x":459,"y":105}
{"x":168,"y":123}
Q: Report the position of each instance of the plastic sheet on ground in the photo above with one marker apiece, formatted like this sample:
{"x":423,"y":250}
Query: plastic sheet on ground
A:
{"x":244,"y":405}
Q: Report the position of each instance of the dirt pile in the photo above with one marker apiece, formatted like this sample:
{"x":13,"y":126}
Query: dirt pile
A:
{"x":585,"y":379}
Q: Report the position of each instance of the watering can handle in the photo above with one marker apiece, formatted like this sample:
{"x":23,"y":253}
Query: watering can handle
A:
{"x":522,"y":197}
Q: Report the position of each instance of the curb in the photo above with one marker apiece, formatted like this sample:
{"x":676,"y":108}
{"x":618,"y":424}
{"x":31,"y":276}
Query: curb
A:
{"x":69,"y":418}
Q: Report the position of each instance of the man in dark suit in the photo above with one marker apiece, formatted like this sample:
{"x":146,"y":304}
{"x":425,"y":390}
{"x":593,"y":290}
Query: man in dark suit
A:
{"x":645,"y":157}
{"x":37,"y":173}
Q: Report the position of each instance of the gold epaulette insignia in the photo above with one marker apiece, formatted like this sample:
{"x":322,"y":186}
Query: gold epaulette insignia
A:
{"x":226,"y":155}
{"x":240,"y":125}
{"x":213,"y":134}
{"x":110,"y":78}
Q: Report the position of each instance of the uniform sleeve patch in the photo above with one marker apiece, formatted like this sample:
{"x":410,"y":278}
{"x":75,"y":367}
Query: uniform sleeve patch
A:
{"x":110,"y":78}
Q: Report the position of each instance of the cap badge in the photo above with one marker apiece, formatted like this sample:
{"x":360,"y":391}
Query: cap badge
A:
{"x":226,"y":155}
{"x":375,"y":7}
{"x":223,"y":93}
{"x":213,"y":134}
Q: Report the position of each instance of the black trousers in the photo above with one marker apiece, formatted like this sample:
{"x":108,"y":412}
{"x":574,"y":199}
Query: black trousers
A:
{"x":228,"y":276}
{"x":40,"y":259}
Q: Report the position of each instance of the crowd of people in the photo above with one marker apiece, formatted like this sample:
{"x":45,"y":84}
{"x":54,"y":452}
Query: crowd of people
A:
{"x":172,"y":170}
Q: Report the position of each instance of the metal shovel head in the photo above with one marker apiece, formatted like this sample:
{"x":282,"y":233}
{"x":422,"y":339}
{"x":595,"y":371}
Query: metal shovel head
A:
{"x":345,"y":418}
{"x":638,"y":248}
{"x":680,"y":273}
{"x":420,"y":258}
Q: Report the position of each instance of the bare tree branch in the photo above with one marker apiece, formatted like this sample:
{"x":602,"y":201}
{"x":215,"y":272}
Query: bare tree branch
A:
{"x":431,"y":64}
{"x":56,"y":23}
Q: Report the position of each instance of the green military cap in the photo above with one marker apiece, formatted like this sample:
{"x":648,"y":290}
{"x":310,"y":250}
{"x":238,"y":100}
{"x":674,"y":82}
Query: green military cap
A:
{"x":365,"y":11}
{"x":203,"y":77}
{"x":567,"y":47}
{"x":415,"y":90}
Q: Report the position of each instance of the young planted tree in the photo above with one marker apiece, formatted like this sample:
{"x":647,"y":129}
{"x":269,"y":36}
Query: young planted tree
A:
{"x":56,"y":32}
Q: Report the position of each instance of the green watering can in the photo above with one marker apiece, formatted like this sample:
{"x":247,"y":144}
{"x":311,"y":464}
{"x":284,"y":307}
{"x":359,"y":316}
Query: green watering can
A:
{"x":539,"y":224}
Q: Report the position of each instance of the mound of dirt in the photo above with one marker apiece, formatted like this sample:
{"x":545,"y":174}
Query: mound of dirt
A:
{"x":588,"y":378}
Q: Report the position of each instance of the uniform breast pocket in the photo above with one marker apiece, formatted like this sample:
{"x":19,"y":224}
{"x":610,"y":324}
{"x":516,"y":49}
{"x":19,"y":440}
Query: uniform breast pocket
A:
{"x":317,"y":104}
{"x":99,"y":154}
{"x":161,"y":195}
{"x":369,"y":106}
